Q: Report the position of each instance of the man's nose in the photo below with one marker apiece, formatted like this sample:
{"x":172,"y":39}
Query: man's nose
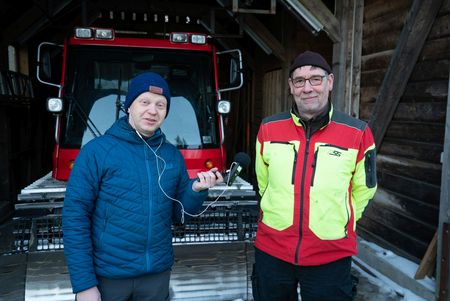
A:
{"x":152,"y":109}
{"x":307,"y":87}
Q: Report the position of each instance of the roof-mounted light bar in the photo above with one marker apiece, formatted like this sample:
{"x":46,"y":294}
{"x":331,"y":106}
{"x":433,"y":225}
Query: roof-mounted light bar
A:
{"x":183,"y":37}
{"x":94,"y":33}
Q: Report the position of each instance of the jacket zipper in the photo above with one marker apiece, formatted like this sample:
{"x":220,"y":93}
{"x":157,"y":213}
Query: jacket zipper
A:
{"x":294,"y":164}
{"x":347,"y":209}
{"x":336,"y":146}
{"x":314,"y":166}
{"x":150,"y":208}
{"x":302,"y":191}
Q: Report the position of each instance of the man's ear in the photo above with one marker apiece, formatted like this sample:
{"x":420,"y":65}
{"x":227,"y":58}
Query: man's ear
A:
{"x":331,"y":81}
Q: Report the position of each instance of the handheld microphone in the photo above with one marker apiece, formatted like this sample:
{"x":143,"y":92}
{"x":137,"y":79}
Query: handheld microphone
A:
{"x":241,"y":161}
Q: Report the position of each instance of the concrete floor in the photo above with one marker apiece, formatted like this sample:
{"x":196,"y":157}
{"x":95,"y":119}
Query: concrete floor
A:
{"x":43,"y":275}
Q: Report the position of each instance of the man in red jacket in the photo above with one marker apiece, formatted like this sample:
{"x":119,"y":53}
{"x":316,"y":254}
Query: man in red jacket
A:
{"x":316,"y":173}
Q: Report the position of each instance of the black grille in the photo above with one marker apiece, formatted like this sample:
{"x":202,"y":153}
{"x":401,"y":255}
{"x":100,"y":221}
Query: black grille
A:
{"x":217,"y":224}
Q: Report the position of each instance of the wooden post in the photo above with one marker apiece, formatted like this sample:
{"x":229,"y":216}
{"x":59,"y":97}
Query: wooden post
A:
{"x":443,"y":262}
{"x":347,"y":57}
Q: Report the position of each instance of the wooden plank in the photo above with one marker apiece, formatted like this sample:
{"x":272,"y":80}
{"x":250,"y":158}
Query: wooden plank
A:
{"x":444,"y":217}
{"x":426,"y":70}
{"x":330,"y":23}
{"x":391,"y":238}
{"x":422,"y":211}
{"x":417,"y":131}
{"x":436,"y":49}
{"x":402,"y":221}
{"x":412,"y":39}
{"x":413,"y":111}
{"x":272,"y":101}
{"x":421,"y":193}
{"x":381,"y":42}
{"x":417,"y":150}
{"x":441,"y":27}
{"x":379,"y":60}
{"x":265,"y":35}
{"x":391,"y":20}
{"x":377,"y":9}
{"x":445,"y":7}
{"x":427,"y":265}
{"x":421,"y":171}
{"x":372,"y":77}
{"x":433,"y":89}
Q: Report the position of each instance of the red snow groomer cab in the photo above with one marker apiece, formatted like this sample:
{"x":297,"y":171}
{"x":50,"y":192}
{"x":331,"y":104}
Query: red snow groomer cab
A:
{"x":97,"y":66}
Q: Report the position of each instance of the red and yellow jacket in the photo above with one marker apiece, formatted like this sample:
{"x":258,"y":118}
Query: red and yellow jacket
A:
{"x":314,"y":181}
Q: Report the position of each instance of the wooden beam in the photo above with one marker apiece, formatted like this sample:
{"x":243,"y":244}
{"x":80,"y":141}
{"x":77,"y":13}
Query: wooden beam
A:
{"x":444,"y":209}
{"x":412,"y":39}
{"x":347,"y":57}
{"x":330,"y":23}
{"x":253,"y":24}
{"x":428,"y":262}
{"x":30,"y":22}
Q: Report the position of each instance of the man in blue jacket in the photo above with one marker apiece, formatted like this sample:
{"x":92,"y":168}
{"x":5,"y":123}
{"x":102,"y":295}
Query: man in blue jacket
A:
{"x":125,"y":189}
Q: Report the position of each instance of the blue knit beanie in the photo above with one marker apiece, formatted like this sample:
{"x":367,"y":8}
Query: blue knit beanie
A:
{"x":147,"y":82}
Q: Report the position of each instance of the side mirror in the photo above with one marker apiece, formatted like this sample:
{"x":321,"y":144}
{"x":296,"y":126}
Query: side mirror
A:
{"x":230,"y":62}
{"x":49,"y":62}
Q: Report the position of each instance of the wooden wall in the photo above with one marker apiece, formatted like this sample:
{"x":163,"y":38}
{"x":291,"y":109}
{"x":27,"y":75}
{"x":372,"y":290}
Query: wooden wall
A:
{"x":266,"y":91}
{"x":404,"y":214}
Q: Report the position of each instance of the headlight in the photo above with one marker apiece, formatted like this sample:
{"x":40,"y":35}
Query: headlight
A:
{"x":83,"y":33}
{"x":104,"y":34}
{"x":198,"y":39}
{"x":54,"y":105}
{"x":177,"y":37}
{"x":223,"y":107}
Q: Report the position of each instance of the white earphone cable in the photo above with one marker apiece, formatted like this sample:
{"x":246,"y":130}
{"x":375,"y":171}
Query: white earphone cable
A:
{"x":160,"y":173}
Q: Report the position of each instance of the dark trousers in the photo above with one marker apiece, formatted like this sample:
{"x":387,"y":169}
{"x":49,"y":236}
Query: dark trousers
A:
{"x":277,"y":280}
{"x":153,"y":287}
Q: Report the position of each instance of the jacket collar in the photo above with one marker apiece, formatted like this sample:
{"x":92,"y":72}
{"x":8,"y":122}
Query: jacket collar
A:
{"x":315,"y":123}
{"x":123,"y":130}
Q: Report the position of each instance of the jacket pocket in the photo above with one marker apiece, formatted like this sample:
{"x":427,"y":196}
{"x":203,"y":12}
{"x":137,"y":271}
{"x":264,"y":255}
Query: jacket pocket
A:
{"x":330,"y":209}
{"x":277,"y":203}
{"x":370,"y":168}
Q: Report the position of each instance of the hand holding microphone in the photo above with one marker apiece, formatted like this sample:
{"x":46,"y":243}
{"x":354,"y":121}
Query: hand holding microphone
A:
{"x":240,"y":162}
{"x":207,"y":179}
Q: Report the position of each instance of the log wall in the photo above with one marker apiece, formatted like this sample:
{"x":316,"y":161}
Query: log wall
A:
{"x":404,"y":214}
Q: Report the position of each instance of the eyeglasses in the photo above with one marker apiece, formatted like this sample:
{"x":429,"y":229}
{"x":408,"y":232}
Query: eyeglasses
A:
{"x":315,"y":80}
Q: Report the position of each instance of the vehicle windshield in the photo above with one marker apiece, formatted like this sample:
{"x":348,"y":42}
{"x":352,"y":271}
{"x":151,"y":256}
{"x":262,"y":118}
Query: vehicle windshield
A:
{"x":97,"y":80}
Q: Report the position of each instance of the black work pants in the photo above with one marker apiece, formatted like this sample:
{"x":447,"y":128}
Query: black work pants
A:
{"x":277,"y":280}
{"x":153,"y":287}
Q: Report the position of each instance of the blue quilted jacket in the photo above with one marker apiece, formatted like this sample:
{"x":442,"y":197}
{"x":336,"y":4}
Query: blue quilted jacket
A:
{"x":116,"y":220}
